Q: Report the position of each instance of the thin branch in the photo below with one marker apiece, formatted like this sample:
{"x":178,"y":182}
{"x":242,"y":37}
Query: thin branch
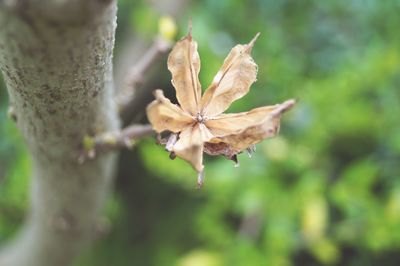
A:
{"x":126,"y":138}
{"x":138,"y":74}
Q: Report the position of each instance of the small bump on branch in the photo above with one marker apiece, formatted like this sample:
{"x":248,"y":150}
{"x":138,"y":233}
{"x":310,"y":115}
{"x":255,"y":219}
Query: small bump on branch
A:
{"x":126,"y":138}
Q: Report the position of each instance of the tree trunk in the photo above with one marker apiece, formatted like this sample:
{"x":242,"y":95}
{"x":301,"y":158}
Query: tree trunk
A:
{"x":56,"y":58}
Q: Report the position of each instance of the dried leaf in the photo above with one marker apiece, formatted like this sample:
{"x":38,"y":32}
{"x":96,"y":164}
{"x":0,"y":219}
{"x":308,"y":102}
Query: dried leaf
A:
{"x":219,"y":148}
{"x":251,"y":135}
{"x":255,"y":128}
{"x":184,"y":65}
{"x":198,"y":124}
{"x":190,"y":147}
{"x":226,"y":124}
{"x":232,"y":81}
{"x":164,"y":115}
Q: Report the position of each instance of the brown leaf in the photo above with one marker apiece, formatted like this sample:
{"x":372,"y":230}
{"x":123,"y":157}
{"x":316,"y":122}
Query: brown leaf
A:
{"x":190,"y":147}
{"x":220,"y":148}
{"x":232,"y":81}
{"x":241,"y":130}
{"x":164,"y":115}
{"x":184,"y":65}
{"x":198,"y":124}
{"x":226,"y":124}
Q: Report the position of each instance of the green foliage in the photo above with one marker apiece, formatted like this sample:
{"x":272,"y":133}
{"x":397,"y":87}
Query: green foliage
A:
{"x":326,"y":191}
{"x":13,"y":196}
{"x":14,"y":173}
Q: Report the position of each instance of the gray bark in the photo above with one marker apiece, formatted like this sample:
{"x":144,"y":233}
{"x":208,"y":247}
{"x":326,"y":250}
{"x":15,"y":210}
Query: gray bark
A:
{"x":56,"y":59}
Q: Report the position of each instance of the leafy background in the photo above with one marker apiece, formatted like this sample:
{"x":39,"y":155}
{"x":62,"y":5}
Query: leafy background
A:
{"x":326,"y":191}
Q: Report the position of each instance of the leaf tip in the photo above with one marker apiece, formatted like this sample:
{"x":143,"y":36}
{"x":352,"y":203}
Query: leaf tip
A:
{"x":255,"y":38}
{"x":251,"y":43}
{"x":289,"y":104}
{"x":190,"y":26}
{"x":283,"y":107}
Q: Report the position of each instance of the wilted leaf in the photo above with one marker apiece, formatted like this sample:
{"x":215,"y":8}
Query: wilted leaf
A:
{"x":164,"y":115}
{"x":190,"y":147}
{"x":232,"y":81}
{"x":241,"y":130}
{"x":198,"y":124}
{"x":184,"y":65}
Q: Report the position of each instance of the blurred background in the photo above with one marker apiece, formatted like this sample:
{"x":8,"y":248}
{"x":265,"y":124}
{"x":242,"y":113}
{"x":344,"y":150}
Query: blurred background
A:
{"x":326,"y":191}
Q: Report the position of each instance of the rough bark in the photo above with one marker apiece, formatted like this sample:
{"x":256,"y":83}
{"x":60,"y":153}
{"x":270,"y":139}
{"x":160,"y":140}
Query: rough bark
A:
{"x":56,"y":58}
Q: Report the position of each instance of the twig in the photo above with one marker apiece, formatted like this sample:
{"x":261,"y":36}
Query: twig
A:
{"x":138,"y":74}
{"x":125,"y":138}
